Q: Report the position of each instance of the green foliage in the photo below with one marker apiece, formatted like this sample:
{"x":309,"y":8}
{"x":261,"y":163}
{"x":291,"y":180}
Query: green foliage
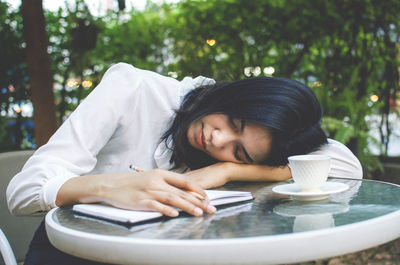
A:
{"x":13,"y":77}
{"x":346,"y":50}
{"x":346,"y":133}
{"x":5,"y":138}
{"x":338,"y":129}
{"x":137,"y":39}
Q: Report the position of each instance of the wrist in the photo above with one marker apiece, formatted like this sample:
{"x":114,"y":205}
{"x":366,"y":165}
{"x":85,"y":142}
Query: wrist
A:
{"x":83,"y":189}
{"x":99,"y":188}
{"x":229,"y":170}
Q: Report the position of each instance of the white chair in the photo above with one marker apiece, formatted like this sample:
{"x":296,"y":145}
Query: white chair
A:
{"x":19,"y":229}
{"x":6,"y":250}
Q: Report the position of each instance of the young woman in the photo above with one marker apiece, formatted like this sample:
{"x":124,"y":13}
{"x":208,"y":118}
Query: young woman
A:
{"x":185,"y":136}
{"x":242,"y":130}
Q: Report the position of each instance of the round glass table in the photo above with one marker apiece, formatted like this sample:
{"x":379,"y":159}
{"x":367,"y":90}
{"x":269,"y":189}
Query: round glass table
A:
{"x":271,"y":229}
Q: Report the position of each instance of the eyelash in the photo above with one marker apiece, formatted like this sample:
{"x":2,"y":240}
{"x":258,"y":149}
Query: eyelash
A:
{"x":236,"y":153}
{"x":235,"y":128}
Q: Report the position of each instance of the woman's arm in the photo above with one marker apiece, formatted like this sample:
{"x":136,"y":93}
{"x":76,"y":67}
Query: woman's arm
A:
{"x":155,"y":190}
{"x":218,"y":174}
{"x":343,"y":165}
{"x":72,"y":150}
{"x":59,"y":172}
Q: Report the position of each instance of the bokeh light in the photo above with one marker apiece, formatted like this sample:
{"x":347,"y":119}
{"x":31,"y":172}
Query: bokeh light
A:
{"x":17,"y":109}
{"x":87,"y":83}
{"x":269,"y":70}
{"x":211,"y":42}
{"x":374,"y":98}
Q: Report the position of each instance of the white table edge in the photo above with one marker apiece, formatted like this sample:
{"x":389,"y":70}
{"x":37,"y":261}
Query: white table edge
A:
{"x":285,"y":248}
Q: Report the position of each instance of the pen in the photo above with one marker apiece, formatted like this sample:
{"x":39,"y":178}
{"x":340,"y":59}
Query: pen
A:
{"x":135,"y":168}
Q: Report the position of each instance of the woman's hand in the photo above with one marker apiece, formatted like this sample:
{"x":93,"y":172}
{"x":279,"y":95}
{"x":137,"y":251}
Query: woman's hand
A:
{"x":155,"y":190}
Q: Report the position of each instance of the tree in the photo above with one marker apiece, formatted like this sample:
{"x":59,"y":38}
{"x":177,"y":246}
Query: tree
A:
{"x":13,"y":83}
{"x":38,"y":66}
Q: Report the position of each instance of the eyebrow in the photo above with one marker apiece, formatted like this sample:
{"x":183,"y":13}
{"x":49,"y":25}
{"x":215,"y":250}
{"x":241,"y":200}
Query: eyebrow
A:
{"x":248,"y":158}
{"x":243,"y":123}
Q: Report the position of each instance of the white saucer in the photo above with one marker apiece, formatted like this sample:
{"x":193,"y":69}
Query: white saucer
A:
{"x":294,"y":190}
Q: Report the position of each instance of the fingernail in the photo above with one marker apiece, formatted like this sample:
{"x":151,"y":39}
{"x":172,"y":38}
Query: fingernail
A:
{"x":198,"y":211}
{"x":174,"y":213}
{"x":211,"y":209}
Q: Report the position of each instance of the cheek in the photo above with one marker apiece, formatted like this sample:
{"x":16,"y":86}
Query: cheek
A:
{"x":264,"y":151}
{"x":222,"y":156}
{"x":189,"y":134}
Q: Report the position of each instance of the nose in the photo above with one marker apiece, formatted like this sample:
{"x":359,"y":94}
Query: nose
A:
{"x":221,"y":138}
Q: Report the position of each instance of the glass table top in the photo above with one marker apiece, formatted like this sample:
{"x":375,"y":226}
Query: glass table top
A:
{"x":268,"y":214}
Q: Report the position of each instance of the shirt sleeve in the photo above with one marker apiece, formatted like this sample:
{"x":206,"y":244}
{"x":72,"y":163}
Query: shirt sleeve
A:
{"x":72,"y":150}
{"x":344,"y":164}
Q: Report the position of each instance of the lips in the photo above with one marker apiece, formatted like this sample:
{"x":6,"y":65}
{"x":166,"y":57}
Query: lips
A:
{"x":203,"y":138}
{"x":200,"y":138}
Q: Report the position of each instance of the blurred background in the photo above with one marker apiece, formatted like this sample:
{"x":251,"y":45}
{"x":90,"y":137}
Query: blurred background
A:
{"x":53,"y":53}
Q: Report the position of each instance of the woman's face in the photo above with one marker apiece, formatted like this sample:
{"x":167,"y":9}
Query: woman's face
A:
{"x":227,"y":139}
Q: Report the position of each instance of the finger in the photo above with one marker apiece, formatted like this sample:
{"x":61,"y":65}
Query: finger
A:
{"x":153,"y":205}
{"x":192,"y":197}
{"x":195,"y":194}
{"x":182,"y":182}
{"x":172,"y":199}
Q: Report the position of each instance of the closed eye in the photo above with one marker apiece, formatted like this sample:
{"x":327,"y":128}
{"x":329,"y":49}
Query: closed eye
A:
{"x":245,"y":158}
{"x":241,"y":155}
{"x":236,"y":154}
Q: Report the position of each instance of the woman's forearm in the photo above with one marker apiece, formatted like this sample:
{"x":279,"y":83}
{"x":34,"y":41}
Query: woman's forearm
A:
{"x":246,"y":172}
{"x":218,"y":174}
{"x":155,"y":190}
{"x":83,"y":189}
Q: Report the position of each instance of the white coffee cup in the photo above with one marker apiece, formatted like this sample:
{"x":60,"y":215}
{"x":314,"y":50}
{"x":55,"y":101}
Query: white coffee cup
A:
{"x":310,"y":172}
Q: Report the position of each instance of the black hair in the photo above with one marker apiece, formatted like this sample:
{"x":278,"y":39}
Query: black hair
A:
{"x":287,"y":108}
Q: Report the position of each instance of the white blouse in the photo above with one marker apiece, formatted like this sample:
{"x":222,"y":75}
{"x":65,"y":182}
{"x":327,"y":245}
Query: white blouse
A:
{"x":120,"y":124}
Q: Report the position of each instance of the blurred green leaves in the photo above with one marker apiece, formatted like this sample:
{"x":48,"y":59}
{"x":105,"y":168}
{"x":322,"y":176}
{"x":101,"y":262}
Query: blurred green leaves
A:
{"x":346,"y":50}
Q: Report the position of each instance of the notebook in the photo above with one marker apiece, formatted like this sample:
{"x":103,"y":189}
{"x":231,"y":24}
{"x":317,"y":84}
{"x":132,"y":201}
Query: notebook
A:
{"x":217,"y":197}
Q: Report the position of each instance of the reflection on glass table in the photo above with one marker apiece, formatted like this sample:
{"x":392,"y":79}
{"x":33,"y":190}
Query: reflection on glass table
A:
{"x":312,"y":215}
